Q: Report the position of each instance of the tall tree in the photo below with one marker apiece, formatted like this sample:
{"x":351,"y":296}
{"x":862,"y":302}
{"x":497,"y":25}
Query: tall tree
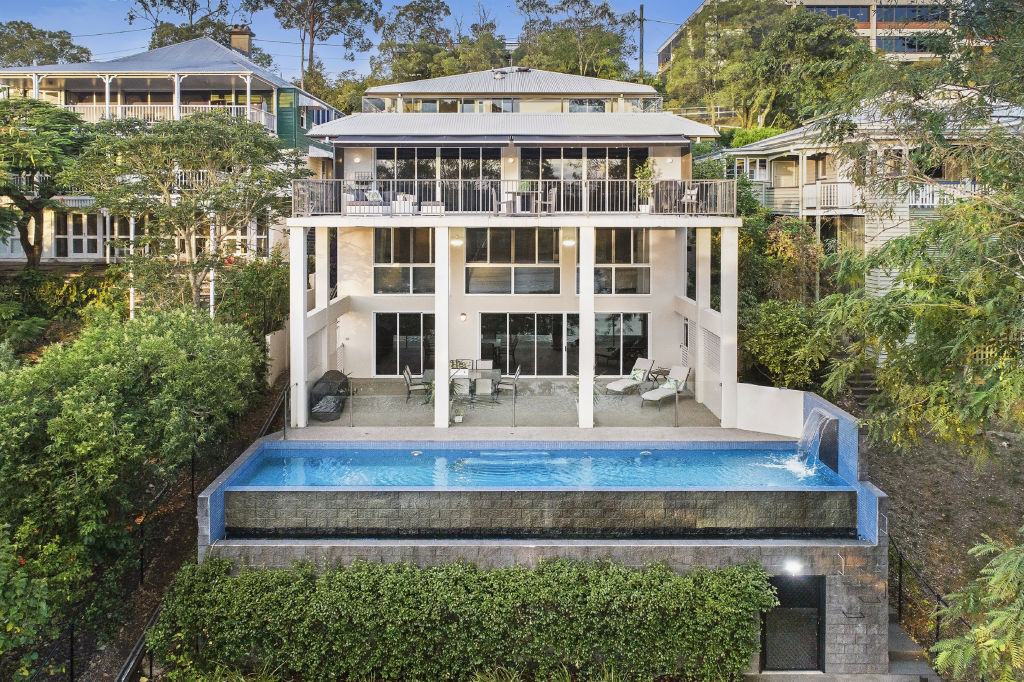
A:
{"x":167,"y":33}
{"x":576,"y":36}
{"x":770,"y":62}
{"x":414,"y":41}
{"x":37,"y":141}
{"x":22,"y":44}
{"x":322,"y":20}
{"x":948,"y":337}
{"x":185,"y":173}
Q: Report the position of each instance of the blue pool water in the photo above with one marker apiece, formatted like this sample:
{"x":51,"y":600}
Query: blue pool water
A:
{"x":768,"y":465}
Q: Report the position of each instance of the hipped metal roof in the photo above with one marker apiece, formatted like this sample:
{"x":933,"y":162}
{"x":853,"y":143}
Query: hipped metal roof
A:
{"x":513,"y":81}
{"x":442,"y":129}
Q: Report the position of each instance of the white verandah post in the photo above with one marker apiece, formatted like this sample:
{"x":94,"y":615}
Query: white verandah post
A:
{"x":703,"y":303}
{"x":297,"y":324}
{"x":729,"y":312}
{"x":442,"y":284}
{"x":586,"y":244}
{"x":131,"y":274}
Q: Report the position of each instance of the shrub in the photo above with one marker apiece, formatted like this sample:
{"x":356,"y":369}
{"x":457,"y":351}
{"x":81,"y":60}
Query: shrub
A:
{"x":394,"y":621}
{"x":254,"y":294}
{"x":783,"y":341}
{"x":744,"y":136}
{"x":709,"y":169}
{"x":84,"y":433}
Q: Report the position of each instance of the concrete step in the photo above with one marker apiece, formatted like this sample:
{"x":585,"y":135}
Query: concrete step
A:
{"x":902,"y":647}
{"x":916,"y":671}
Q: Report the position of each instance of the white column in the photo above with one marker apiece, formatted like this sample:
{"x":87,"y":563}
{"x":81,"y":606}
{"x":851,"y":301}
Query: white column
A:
{"x":801,"y":179}
{"x":106,"y":236}
{"x":177,"y":96}
{"x":248,"y":95}
{"x":297,"y":324}
{"x":212,"y":248}
{"x":703,"y":304}
{"x":106,"y":96}
{"x":586,"y":244}
{"x":35,"y":86}
{"x":442,"y":284}
{"x":727,"y":355}
{"x":131,"y":275}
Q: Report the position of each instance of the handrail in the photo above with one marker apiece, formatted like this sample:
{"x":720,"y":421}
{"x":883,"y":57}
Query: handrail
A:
{"x":923,"y":582}
{"x":513,"y":197}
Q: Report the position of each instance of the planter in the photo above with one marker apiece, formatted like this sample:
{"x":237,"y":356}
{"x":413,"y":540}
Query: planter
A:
{"x":645,"y":208}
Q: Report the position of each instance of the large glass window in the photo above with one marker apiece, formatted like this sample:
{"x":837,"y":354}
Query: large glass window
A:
{"x":533,"y":342}
{"x":901,"y":44}
{"x":403,"y":260}
{"x":530,"y":252}
{"x":403,"y":339}
{"x":622,"y":260}
{"x":856,"y":12}
{"x":620,"y":338}
{"x":911,"y":13}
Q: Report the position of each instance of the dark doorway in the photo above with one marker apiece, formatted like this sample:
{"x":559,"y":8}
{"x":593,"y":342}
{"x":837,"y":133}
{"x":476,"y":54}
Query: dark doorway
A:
{"x":793,"y":633}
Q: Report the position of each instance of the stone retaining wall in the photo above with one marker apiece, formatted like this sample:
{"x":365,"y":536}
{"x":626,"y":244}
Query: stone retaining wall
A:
{"x":540,"y":514}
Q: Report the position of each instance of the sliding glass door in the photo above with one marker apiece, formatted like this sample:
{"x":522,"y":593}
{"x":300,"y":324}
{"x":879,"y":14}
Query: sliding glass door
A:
{"x":548,"y":344}
{"x":402,"y":339}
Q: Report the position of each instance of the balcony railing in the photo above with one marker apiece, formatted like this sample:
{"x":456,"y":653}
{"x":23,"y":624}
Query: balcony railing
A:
{"x":513,"y":197}
{"x":940,"y":194}
{"x":830,"y":195}
{"x":94,"y":113}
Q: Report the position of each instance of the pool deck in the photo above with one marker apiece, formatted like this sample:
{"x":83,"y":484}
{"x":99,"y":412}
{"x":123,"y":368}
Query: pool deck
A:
{"x":525,"y":433}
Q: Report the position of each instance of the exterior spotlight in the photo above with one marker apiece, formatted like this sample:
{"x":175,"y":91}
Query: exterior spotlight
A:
{"x":793,"y":567}
{"x":456,"y":241}
{"x":357,"y":158}
{"x":511,"y":159}
{"x":671,"y":160}
{"x":462,"y":317}
{"x":568,"y":241}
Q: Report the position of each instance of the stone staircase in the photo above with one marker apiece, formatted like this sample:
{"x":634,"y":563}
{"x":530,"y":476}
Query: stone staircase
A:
{"x":863,"y":387}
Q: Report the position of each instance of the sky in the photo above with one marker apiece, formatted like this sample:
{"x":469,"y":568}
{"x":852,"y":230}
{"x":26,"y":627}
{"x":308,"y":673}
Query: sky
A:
{"x":85,"y":17}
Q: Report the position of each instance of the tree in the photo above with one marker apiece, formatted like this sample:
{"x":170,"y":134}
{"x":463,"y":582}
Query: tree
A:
{"x":576,"y":36}
{"x":322,"y":20}
{"x":993,"y":606}
{"x":22,"y":44}
{"x":947,"y":339}
{"x":168,"y":33}
{"x":182,"y":174}
{"x":37,"y":141}
{"x":770,"y":62}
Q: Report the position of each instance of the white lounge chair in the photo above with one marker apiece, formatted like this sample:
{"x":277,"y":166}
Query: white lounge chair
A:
{"x":637,"y":376}
{"x":672,"y":386}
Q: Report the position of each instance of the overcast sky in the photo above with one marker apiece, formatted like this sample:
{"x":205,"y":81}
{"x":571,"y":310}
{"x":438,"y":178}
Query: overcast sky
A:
{"x":82,"y":17}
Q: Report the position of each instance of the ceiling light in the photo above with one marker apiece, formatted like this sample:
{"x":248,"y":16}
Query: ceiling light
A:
{"x":568,"y":241}
{"x":793,"y":567}
{"x":456,"y":241}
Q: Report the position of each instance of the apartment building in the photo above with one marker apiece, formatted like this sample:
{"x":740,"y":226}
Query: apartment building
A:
{"x":893,"y":28}
{"x":543,"y":222}
{"x":166,"y":83}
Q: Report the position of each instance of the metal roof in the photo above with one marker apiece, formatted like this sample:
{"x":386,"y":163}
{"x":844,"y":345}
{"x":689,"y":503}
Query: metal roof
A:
{"x":513,"y":80}
{"x":381,"y":128}
{"x":200,"y":55}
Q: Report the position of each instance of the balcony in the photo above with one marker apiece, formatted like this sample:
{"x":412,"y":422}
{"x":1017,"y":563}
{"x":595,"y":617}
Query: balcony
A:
{"x":151,"y":113}
{"x":940,"y":194}
{"x":513,"y":197}
{"x":831,"y":196}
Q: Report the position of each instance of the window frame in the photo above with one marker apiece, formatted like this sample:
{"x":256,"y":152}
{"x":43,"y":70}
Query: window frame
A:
{"x":410,"y":266}
{"x":512,"y":264}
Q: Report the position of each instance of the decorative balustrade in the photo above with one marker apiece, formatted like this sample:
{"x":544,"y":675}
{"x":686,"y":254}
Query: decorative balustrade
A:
{"x":513,"y":197}
{"x":940,"y":194}
{"x":151,"y":113}
{"x":830,"y":195}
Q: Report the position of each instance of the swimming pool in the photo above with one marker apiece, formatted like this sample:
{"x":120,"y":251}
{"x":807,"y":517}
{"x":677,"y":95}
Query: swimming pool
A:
{"x":537,"y":467}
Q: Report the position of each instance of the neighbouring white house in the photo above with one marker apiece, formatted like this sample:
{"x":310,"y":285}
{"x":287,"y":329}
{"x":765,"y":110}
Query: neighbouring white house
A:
{"x":543,"y":223}
{"x":162,"y":84}
{"x":797,"y":174}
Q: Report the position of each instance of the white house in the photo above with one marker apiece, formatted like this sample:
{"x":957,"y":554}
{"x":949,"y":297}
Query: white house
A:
{"x":508,"y":216}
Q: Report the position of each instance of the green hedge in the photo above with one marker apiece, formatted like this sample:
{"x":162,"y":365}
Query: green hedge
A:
{"x":395,"y":621}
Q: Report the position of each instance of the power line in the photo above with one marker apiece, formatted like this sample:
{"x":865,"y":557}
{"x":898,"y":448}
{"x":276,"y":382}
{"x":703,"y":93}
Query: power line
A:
{"x":109,"y":33}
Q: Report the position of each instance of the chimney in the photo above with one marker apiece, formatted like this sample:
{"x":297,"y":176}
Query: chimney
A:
{"x":241,"y":38}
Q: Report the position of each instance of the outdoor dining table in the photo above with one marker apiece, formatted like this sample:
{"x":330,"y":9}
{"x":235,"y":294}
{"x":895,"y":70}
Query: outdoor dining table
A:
{"x":532,"y":194}
{"x":474,"y":375}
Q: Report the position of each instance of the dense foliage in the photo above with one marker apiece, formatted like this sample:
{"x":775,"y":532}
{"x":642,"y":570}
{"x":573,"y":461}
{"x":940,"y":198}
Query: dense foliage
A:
{"x":948,"y":336}
{"x":84,"y":434}
{"x":770,"y":62}
{"x":183,"y":173}
{"x":398,"y":622}
{"x":993,"y":605}
{"x":22,"y":44}
{"x":38,"y":140}
{"x":254,"y":294}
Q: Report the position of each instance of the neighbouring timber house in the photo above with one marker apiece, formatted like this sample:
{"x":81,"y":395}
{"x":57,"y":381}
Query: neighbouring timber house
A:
{"x":166,"y":83}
